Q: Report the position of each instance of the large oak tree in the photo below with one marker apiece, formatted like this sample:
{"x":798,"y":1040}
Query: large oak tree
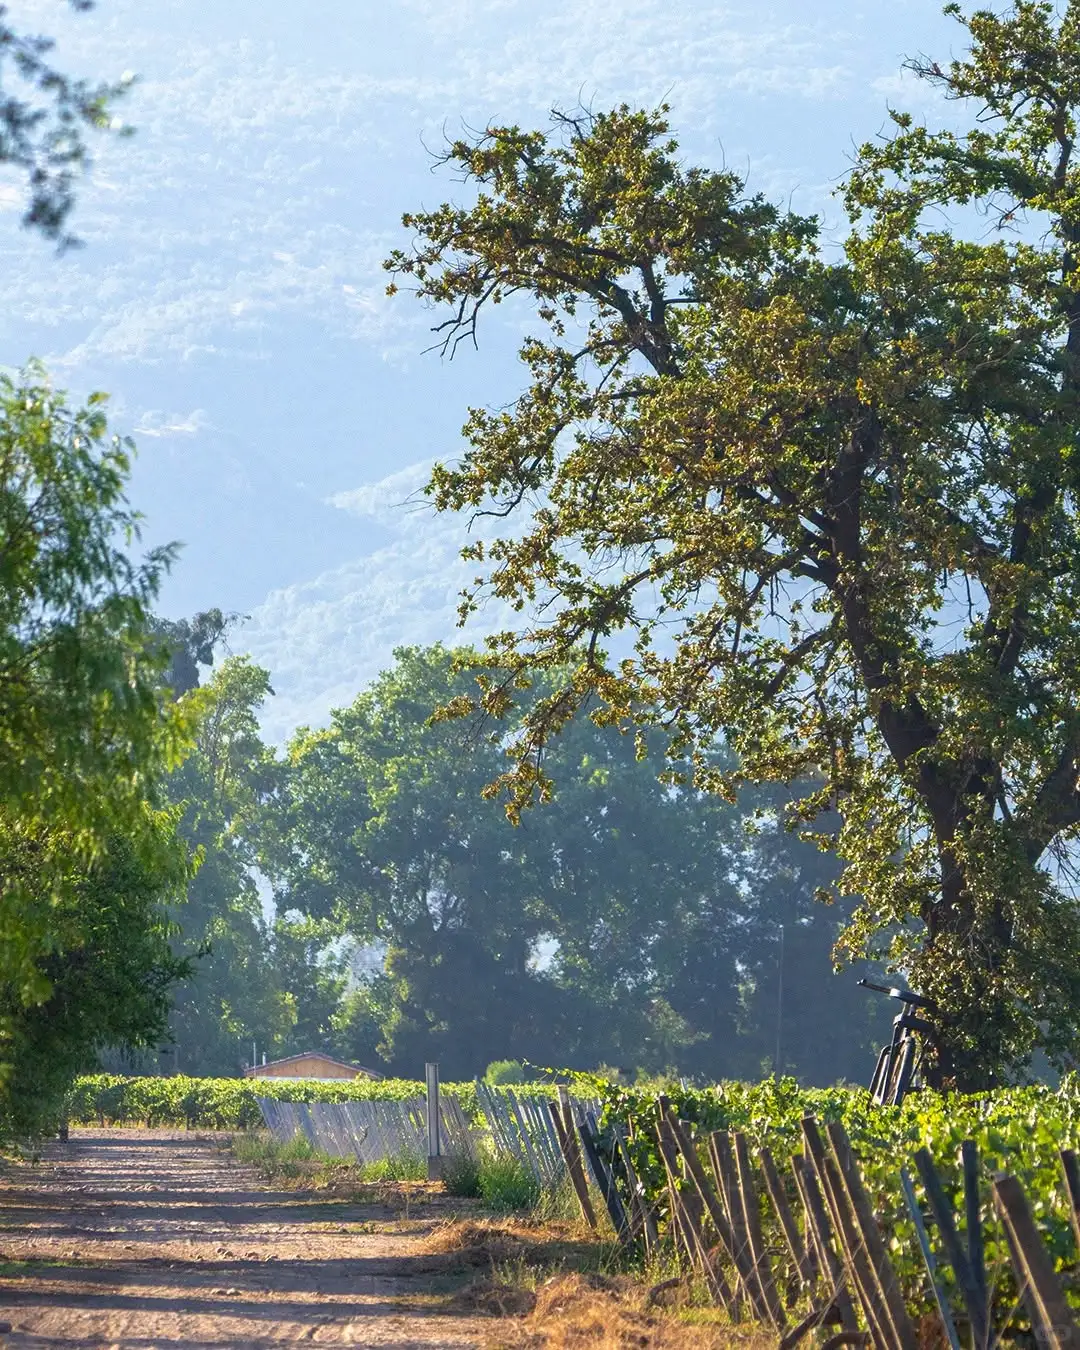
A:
{"x":630,"y":923}
{"x":831,"y":495}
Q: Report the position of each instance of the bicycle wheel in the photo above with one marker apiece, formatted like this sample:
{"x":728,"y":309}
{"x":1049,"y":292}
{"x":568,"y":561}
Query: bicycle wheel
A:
{"x":881,"y":1075}
{"x":905,"y":1071}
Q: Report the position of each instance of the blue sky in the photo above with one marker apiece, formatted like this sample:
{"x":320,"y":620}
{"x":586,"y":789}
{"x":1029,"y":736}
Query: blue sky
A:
{"x":230,"y":295}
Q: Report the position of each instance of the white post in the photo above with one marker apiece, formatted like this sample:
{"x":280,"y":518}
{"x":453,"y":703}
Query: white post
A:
{"x":434,"y":1134}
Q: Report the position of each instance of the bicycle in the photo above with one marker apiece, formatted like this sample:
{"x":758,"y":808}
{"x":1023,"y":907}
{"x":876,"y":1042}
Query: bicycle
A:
{"x":900,"y":1064}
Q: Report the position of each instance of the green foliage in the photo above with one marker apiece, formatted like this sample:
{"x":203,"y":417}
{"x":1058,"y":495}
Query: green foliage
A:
{"x":86,"y":738}
{"x":44,"y":117}
{"x":110,"y":972}
{"x":230,"y":1103}
{"x":189,"y":644}
{"x":278,"y":981}
{"x":656,"y":915}
{"x":504,"y":1183}
{"x":237,"y":990}
{"x":1018,"y":1130}
{"x":461,"y":1175}
{"x":504,"y":1072}
{"x":381,"y":828}
{"x":833,"y":500}
{"x":83,"y":735}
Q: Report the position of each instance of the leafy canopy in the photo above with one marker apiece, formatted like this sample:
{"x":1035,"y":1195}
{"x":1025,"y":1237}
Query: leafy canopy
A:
{"x":108,"y":972}
{"x":86,"y":731}
{"x":235,"y":991}
{"x":629,"y":922}
{"x":44,"y":117}
{"x":832,"y":499}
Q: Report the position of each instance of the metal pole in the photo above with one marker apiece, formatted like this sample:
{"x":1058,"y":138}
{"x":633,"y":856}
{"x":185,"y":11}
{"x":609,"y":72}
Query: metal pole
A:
{"x":779,"y":1001}
{"x":434,"y":1134}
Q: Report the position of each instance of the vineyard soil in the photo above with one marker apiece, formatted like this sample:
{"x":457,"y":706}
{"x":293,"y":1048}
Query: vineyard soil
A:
{"x":159,"y":1238}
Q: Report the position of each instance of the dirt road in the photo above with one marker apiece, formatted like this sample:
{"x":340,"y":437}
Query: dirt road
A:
{"x":157,"y":1238}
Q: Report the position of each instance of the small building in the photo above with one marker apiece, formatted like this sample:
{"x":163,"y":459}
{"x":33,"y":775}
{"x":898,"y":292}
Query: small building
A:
{"x":311,"y":1064}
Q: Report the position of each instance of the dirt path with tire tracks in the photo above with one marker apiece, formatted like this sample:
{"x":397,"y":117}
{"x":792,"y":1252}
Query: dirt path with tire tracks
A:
{"x":155,"y":1238}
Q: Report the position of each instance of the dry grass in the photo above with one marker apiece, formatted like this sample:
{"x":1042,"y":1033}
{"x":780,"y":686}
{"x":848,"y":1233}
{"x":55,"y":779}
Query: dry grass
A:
{"x":530,"y":1250}
{"x":554,"y":1286}
{"x":491,"y":1298}
{"x":605,"y":1312}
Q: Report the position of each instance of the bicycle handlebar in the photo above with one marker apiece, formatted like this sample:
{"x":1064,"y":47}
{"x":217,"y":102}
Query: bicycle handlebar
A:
{"x":904,"y":995}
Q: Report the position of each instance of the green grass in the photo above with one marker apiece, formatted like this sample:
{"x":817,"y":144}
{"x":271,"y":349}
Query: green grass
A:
{"x":298,"y":1158}
{"x":506,"y":1185}
{"x":404,"y":1166}
{"x":557,"y":1203}
{"x":461,"y":1175}
{"x":502,"y":1183}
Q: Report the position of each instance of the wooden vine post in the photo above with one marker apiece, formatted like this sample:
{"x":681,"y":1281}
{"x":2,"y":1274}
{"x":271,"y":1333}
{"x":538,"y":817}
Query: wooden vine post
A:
{"x":571,"y":1151}
{"x":839,"y":1250}
{"x":1051,"y":1316}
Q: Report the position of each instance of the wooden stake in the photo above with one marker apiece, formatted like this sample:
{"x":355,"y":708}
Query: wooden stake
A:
{"x":684,"y":1236}
{"x":642,"y":1210}
{"x":605,"y":1179}
{"x":813,"y":1252}
{"x":1051,"y":1316}
{"x":572,"y":1158}
{"x":969,"y":1162}
{"x":724,"y":1169}
{"x":701,"y":1182}
{"x":818,"y":1223}
{"x":707,"y":1196}
{"x":888,"y":1286}
{"x":752,"y":1219}
{"x":859,"y":1268}
{"x":693,"y":1241}
{"x":1070,"y":1167}
{"x":942,"y":1210}
{"x":797,"y":1248}
{"x":944,"y":1311}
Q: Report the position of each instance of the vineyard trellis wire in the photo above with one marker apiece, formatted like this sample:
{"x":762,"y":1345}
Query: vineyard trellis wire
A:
{"x":370,"y":1131}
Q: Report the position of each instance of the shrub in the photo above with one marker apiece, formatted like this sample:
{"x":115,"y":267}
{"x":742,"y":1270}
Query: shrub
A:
{"x":226,"y":1103}
{"x":461,"y":1175}
{"x":505,"y":1183}
{"x":504,"y":1073}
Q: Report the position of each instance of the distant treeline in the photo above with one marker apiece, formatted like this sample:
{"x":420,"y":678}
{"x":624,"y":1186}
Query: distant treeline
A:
{"x":359,"y":894}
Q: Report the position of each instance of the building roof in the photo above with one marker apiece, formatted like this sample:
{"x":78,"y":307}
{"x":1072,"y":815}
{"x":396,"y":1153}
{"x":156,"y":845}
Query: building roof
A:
{"x":259,"y":1069}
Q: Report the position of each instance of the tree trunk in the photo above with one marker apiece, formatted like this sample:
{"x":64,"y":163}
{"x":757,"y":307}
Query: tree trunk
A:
{"x":963,"y":951}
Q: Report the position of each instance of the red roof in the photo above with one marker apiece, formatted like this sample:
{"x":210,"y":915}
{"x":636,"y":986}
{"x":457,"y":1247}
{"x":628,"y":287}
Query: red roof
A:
{"x":260,"y":1069}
